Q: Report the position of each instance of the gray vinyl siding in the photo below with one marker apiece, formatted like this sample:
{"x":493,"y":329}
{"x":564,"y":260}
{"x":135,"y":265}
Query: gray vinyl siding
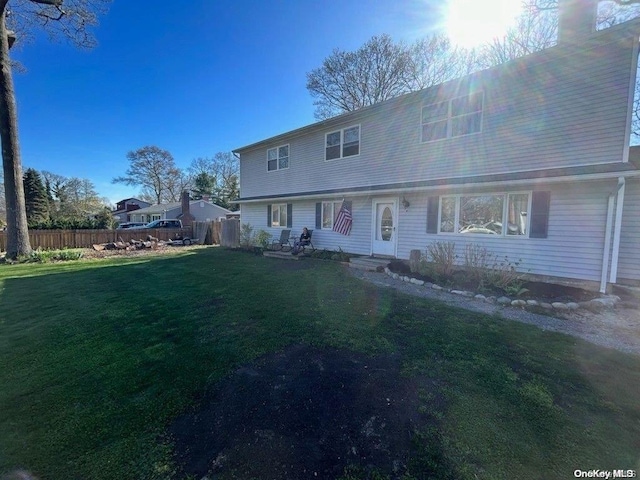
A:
{"x":304,"y":215}
{"x":573,"y":248}
{"x":544,"y":111}
{"x":629,"y":258}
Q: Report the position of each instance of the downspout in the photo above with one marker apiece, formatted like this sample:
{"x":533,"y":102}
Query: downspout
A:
{"x":607,"y":245}
{"x":617,"y":231}
{"x":607,"y":237}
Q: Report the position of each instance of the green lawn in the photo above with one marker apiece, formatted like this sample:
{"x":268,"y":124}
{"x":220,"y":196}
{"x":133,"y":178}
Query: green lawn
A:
{"x":97,"y":357}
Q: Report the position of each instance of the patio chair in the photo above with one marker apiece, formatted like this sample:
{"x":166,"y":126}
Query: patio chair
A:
{"x":308,"y":244}
{"x":284,"y":243}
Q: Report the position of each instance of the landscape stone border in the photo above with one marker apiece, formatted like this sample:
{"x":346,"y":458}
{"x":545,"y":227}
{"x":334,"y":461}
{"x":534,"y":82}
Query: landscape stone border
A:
{"x":594,"y":305}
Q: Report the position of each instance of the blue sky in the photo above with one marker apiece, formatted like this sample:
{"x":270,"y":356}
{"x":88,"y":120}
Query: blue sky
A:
{"x":194,"y":77}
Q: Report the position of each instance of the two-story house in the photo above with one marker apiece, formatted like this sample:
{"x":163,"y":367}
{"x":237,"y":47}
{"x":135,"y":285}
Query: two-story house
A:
{"x":125,"y":207}
{"x":529,"y":159}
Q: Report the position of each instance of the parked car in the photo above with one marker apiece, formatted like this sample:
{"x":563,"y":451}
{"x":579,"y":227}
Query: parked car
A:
{"x":163,"y":224}
{"x":130,"y":225}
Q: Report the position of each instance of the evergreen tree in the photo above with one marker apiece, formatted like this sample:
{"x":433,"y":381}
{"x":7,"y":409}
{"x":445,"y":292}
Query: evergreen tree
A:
{"x":35,"y":196}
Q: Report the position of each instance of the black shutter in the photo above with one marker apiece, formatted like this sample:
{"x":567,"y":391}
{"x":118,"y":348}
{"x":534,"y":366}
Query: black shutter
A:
{"x":540,"y":214}
{"x":289,"y":214}
{"x":268,"y":215}
{"x":433,"y":204}
{"x":318,"y":215}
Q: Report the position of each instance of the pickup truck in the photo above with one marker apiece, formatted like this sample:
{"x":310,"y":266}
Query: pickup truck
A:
{"x":162,"y":224}
{"x":177,"y":240}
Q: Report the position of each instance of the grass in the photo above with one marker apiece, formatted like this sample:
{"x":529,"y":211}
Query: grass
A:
{"x":98,"y":356}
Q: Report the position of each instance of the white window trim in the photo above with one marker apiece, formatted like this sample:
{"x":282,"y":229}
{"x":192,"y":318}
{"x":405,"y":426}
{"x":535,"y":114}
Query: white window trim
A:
{"x":334,"y":213}
{"x":505,"y":207}
{"x":342,"y":142}
{"x":449,"y":136}
{"x":277,"y":159}
{"x":274,"y":207}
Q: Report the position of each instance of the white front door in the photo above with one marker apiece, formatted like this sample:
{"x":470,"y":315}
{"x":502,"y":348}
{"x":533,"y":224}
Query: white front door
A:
{"x":385,"y":222}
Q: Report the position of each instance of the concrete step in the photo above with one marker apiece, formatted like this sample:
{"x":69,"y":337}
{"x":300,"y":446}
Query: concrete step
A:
{"x":368,"y":263}
{"x":281,"y":255}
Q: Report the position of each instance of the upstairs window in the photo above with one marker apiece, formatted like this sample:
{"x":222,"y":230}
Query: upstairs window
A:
{"x":342,"y":143}
{"x":455,"y":118}
{"x":278,"y":158}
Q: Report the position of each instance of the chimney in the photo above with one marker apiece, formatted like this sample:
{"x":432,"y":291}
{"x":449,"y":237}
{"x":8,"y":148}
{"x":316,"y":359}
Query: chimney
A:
{"x":186,"y":217}
{"x":576,"y":20}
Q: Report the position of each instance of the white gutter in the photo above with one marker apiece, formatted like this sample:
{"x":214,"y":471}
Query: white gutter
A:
{"x":607,"y":245}
{"x":617,"y":229}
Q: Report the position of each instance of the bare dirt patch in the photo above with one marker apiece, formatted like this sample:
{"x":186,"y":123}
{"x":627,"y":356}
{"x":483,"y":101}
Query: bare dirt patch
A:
{"x":303,"y":413}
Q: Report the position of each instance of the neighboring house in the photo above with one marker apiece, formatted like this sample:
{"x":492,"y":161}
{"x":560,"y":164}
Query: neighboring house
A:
{"x":125,"y":207}
{"x":202,"y":211}
{"x":529,"y":159}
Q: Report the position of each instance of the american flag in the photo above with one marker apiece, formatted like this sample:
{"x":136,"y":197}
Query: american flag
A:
{"x":343,"y":221}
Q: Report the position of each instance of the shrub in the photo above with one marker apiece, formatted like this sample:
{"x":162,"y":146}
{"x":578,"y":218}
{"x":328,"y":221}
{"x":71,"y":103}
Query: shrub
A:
{"x":443,"y":259}
{"x":476,"y":263}
{"x":46,"y":256}
{"x":262,"y":239}
{"x":246,"y":235}
{"x":502,"y":274}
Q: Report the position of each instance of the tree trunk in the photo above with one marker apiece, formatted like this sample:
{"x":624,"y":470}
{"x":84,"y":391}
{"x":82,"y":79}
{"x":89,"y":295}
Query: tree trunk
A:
{"x":17,"y":230}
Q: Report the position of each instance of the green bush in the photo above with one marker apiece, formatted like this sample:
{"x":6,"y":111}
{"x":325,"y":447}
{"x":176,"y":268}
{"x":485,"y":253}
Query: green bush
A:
{"x":46,"y":256}
{"x":262,"y":239}
{"x":246,"y":235}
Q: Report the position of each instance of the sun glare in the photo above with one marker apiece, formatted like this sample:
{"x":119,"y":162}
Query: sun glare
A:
{"x":470,"y":23}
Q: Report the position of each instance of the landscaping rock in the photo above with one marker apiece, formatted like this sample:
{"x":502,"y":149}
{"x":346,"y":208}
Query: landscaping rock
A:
{"x":546,"y":306}
{"x":560,"y":306}
{"x":480,"y":297}
{"x":436,"y":287}
{"x":533,"y":303}
{"x":518,"y":303}
{"x":416,"y":281}
{"x":573,"y":306}
{"x":462,"y":292}
{"x":504,"y":301}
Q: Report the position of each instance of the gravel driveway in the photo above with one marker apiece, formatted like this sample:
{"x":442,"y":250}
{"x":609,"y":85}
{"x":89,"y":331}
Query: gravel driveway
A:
{"x":617,"y":328}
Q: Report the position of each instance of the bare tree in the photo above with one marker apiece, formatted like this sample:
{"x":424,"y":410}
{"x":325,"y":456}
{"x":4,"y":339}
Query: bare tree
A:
{"x":434,"y":60}
{"x":382,"y":69}
{"x":155,"y":171}
{"x":176,"y":182}
{"x":68,"y":19}
{"x":348,"y":81}
{"x":218,"y":175}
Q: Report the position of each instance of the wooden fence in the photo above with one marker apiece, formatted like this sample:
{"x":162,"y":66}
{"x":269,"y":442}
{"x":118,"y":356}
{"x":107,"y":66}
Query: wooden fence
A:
{"x":54,"y":239}
{"x":225,"y":233}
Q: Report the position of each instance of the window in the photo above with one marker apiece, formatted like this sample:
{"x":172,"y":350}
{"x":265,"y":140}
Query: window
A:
{"x":329,"y":213}
{"x":279,"y":215}
{"x":278,"y":158}
{"x":485,"y":214}
{"x":455,"y":118}
{"x":155,"y":217}
{"x":343,"y":143}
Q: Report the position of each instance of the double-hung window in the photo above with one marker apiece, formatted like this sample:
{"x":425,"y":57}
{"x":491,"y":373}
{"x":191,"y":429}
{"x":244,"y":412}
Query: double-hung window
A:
{"x":329,"y":213}
{"x":279,"y":215}
{"x":342,"y":143}
{"x":278,"y":158}
{"x":452,"y":118}
{"x":505,"y":214}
